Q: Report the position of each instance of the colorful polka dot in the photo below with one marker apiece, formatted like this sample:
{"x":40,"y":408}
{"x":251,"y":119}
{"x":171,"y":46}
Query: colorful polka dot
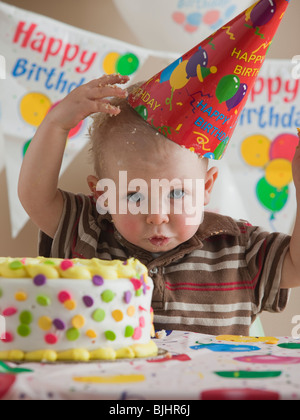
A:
{"x":70,"y":305}
{"x":66,"y":264}
{"x":127,"y":296}
{"x":88,"y":301}
{"x":8,"y":337}
{"x":129,"y":331}
{"x":144,"y":278}
{"x":45,"y":323}
{"x":131,"y":311}
{"x":51,"y":339}
{"x":98,"y":315}
{"x":63,"y":296}
{"x":72,"y":334}
{"x":15,"y":265}
{"x":24,"y":330}
{"x":110,"y":335}
{"x":78,"y":321}
{"x":21,"y":296}
{"x":107,"y":296}
{"x":49,"y":262}
{"x":26,"y":317}
{"x":142,"y":322}
{"x":40,"y":280}
{"x":59,"y":324}
{"x":98,"y":280}
{"x":117,"y":315}
{"x":137,"y":284}
{"x":145,"y":288}
{"x":9,"y":311}
{"x":91,"y":334}
{"x":43,"y":300}
{"x":137,"y":333}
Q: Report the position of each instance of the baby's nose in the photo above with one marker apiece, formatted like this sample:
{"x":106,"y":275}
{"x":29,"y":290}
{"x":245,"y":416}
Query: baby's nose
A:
{"x":157,"y":219}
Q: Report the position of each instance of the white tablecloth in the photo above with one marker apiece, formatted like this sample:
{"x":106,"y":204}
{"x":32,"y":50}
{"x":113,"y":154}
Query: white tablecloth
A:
{"x":190,"y":367}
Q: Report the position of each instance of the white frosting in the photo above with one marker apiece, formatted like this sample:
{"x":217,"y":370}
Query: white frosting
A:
{"x":44,"y":304}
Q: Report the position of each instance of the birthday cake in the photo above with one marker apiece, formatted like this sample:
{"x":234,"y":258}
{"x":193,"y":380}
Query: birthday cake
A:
{"x":74,"y":310}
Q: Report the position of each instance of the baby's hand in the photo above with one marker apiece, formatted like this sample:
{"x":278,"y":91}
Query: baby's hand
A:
{"x":88,"y":99}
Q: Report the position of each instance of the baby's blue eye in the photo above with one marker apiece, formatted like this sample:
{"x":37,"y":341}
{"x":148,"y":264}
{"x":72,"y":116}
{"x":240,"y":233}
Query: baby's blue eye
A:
{"x":176,"y":194}
{"x":135,"y":197}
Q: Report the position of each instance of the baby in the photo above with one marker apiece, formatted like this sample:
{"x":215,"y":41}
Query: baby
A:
{"x":212,"y":274}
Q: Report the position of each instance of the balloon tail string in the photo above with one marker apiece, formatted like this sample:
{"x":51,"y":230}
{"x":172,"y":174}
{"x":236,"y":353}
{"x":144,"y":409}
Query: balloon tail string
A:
{"x":272,"y":219}
{"x":169,"y":101}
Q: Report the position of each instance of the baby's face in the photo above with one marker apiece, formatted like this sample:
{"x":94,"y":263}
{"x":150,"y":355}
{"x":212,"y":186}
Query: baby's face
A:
{"x":160,"y":191}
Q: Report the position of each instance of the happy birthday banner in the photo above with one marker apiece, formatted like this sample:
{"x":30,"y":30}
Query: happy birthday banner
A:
{"x":177,"y":25}
{"x":256,"y":173}
{"x":46,"y":59}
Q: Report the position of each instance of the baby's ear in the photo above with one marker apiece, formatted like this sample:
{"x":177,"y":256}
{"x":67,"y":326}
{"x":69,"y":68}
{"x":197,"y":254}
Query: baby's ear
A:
{"x":211,"y":177}
{"x":92,"y":183}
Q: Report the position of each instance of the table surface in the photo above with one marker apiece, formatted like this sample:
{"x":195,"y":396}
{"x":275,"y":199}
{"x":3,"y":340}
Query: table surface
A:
{"x":190,"y":367}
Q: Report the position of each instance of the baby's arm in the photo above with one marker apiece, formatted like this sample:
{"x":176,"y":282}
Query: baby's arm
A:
{"x":291,"y":267}
{"x":38,"y":182}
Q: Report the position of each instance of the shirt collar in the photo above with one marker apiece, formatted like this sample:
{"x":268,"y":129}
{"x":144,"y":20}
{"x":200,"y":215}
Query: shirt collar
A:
{"x":214,"y":224}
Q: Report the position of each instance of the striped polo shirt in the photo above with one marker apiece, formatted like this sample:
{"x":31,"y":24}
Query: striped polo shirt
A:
{"x":215,"y":283}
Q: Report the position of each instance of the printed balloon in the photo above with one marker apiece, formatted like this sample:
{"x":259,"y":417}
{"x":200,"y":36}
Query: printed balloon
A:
{"x":227,"y":87}
{"x":25,"y":147}
{"x":34,"y":107}
{"x":199,"y":58}
{"x":270,"y":197}
{"x":211,"y":17}
{"x":142,"y":111}
{"x":238,"y":97}
{"x":263,"y":12}
{"x":218,"y":153}
{"x":179,"y":17}
{"x":284,"y":147}
{"x":179,"y":77}
{"x":209,"y":155}
{"x":279,"y":173}
{"x":166,"y":74}
{"x":109,"y":62}
{"x":194,"y":19}
{"x":127,"y":64}
{"x":255,"y":150}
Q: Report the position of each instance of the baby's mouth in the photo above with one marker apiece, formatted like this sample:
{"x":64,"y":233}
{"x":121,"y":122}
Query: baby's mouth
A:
{"x":159,"y":240}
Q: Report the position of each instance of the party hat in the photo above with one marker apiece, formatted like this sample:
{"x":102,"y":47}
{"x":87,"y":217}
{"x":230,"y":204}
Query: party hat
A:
{"x":196,"y":101}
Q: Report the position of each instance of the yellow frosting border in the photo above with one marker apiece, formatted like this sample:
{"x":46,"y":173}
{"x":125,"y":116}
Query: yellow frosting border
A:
{"x":75,"y":269}
{"x":82,"y":355}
